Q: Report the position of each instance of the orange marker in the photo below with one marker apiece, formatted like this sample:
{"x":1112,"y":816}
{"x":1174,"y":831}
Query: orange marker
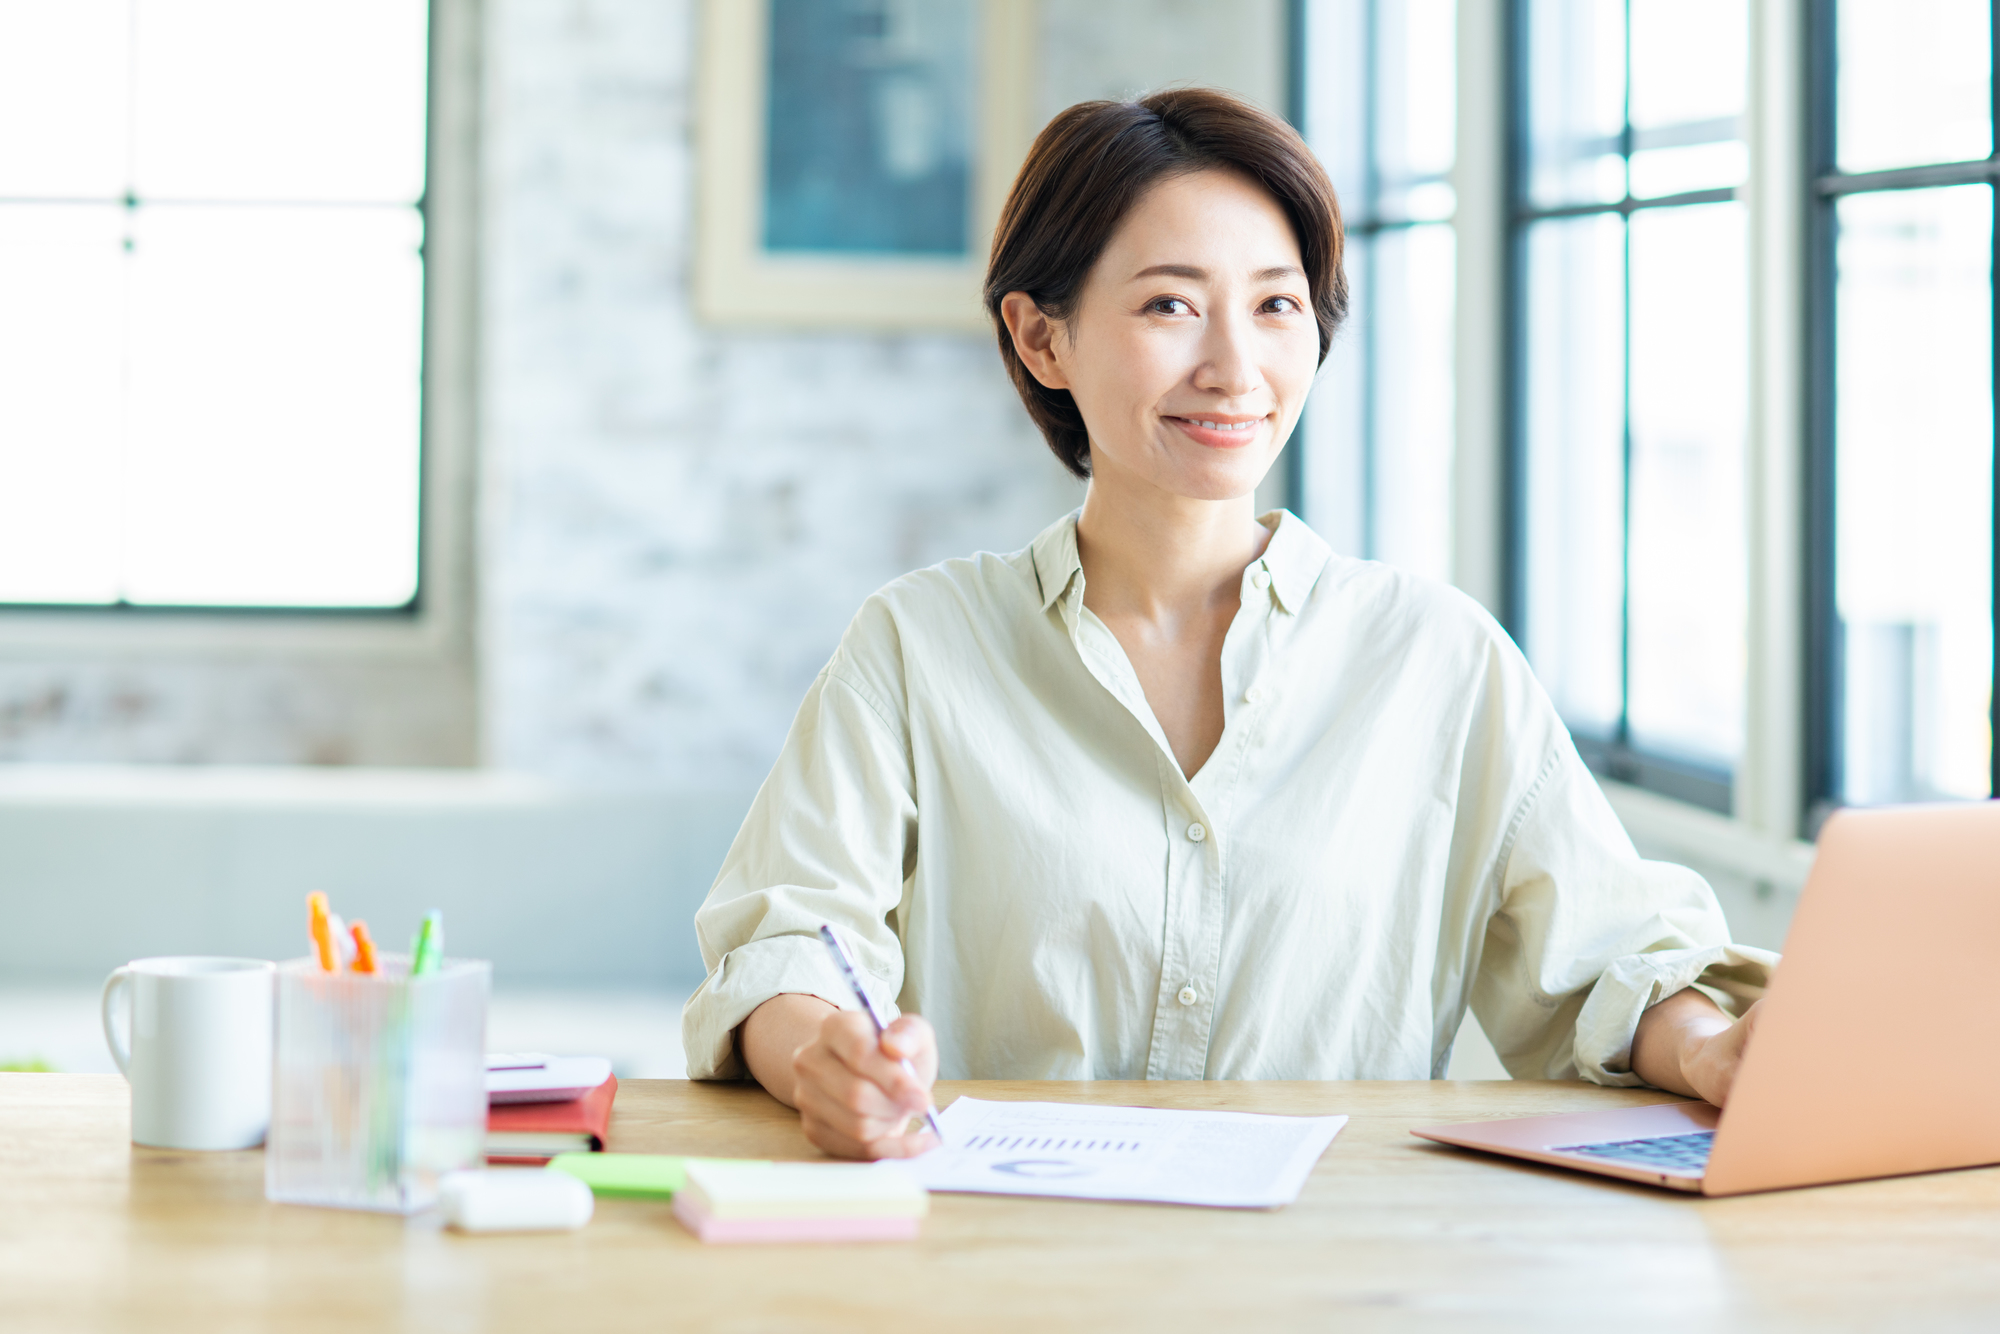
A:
{"x":364,"y":948}
{"x":322,"y":933}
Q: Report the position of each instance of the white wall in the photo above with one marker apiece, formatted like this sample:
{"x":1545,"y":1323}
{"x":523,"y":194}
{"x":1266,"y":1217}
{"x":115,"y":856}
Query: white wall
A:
{"x":220,"y":708}
{"x":554,"y":885}
{"x":1120,"y":48}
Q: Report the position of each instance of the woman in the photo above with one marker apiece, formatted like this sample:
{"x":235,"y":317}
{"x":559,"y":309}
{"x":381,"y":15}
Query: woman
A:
{"x":1176,"y":792}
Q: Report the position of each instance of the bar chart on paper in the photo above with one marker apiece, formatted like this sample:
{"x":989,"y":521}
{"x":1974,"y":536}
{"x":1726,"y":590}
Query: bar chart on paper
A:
{"x":1222,"y":1159}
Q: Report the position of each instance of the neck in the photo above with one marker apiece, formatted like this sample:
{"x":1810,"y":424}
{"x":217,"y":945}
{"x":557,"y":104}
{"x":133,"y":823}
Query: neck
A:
{"x":1152,"y":554}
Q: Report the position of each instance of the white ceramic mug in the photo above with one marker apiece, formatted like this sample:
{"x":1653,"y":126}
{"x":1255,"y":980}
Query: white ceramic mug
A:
{"x":199,"y":1053}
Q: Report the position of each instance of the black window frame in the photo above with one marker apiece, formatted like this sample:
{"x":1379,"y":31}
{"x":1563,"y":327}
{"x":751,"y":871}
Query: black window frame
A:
{"x":1825,"y":185}
{"x":1614,"y":757}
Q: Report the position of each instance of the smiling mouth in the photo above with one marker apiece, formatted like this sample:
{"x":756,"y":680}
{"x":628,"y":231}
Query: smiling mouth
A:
{"x":1218,"y":433}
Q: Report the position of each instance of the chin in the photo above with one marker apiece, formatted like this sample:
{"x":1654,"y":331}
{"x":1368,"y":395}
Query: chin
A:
{"x":1219,"y":491}
{"x":1189,"y":471}
{"x":1225,"y":482}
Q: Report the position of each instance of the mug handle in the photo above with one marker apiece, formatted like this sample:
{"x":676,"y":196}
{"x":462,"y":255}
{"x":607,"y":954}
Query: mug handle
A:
{"x":120,"y":980}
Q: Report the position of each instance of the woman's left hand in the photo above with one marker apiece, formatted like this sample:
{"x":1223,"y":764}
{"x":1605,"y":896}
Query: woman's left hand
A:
{"x":1710,"y":1064}
{"x":1688,"y":1046}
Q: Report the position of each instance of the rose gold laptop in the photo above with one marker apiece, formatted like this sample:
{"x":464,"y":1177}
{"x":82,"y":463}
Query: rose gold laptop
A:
{"x":1873,"y":1053}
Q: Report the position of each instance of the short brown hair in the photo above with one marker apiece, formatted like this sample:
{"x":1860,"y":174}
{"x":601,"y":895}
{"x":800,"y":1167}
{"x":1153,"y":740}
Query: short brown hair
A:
{"x":1092,"y":163}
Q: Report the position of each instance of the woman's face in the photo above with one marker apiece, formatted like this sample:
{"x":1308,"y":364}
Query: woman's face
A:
{"x":1193,"y":344}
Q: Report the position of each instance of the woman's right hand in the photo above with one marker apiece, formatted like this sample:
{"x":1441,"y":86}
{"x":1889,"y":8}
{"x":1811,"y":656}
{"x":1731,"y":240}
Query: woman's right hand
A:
{"x":854,"y":1098}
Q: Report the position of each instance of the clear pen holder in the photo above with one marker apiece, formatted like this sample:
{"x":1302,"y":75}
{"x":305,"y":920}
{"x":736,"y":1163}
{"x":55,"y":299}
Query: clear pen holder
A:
{"x":380,"y":1084}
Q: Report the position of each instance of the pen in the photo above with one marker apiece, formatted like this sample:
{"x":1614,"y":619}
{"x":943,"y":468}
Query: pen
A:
{"x":846,"y":965}
{"x":427,"y":955}
{"x":322,"y":933}
{"x":364,"y":948}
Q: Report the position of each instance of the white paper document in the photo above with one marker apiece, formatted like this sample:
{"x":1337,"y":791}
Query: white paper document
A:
{"x":1235,"y":1160}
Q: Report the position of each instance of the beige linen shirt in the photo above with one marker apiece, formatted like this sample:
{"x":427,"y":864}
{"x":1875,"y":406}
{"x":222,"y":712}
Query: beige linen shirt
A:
{"x":1394,"y":825}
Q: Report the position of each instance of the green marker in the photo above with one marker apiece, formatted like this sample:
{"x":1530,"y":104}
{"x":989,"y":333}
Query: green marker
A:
{"x":427,"y":955}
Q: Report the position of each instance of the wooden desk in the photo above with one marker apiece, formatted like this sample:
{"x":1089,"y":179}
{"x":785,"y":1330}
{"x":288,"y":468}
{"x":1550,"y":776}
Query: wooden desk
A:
{"x":1391,"y":1233}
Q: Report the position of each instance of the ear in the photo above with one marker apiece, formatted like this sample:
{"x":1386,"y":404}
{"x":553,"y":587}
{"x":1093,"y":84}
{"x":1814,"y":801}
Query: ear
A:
{"x":1034,"y":335}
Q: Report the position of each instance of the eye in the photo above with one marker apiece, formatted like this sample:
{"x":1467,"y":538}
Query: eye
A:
{"x":1169,"y":305}
{"x":1283,"y":305}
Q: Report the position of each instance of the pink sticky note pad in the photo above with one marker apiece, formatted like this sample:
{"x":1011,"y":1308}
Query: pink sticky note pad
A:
{"x":698,"y":1221}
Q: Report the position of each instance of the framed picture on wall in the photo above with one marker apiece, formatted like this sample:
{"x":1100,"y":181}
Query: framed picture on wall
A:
{"x":853,"y":156}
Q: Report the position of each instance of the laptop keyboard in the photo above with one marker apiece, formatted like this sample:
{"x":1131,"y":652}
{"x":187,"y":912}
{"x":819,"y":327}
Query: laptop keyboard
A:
{"x":1671,"y":1153}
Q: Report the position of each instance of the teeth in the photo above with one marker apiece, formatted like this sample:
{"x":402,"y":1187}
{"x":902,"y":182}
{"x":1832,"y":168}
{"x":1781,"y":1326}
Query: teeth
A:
{"x":1225,"y":426}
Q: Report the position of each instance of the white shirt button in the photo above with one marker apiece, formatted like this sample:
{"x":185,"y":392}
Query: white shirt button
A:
{"x":1261,"y":580}
{"x":1187,"y":996}
{"x":1196,"y":833}
{"x":1253,"y":694}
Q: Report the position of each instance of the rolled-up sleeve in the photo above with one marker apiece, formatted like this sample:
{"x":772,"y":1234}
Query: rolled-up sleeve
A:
{"x":829,"y":838}
{"x":1587,"y":935}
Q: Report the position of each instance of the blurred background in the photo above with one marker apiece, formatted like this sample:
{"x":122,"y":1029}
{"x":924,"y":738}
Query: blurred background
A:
{"x":439,"y":443}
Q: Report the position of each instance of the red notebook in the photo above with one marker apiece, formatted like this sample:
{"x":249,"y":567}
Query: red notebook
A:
{"x":534,"y":1132}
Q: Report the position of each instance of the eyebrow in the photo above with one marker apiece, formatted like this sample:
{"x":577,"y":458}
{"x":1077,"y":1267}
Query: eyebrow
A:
{"x":1195,"y":274}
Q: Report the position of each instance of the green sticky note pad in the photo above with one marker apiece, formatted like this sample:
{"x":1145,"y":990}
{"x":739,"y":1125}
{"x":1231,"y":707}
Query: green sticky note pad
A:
{"x":646,"y":1175}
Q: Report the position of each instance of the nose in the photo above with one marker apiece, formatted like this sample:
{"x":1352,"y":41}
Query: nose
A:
{"x":1228,"y":362}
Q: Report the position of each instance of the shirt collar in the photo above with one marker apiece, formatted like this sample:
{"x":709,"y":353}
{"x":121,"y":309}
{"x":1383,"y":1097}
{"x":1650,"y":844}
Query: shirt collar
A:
{"x":1294,"y":558}
{"x":1056,"y":562}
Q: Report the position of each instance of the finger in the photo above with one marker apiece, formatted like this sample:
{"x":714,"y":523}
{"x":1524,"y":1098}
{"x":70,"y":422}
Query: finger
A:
{"x":848,"y":1034}
{"x":853,"y":1041}
{"x":1748,"y":1023}
{"x":832,"y":1140}
{"x":1736,"y":1040}
{"x":904,"y":1146}
{"x":837,"y":1140}
{"x":911,"y":1038}
{"x":848,"y":1104}
{"x":1724,"y":1057}
{"x":902,"y":1138}
{"x":841,"y":1096}
{"x":847,"y":1137}
{"x":832,"y":1122}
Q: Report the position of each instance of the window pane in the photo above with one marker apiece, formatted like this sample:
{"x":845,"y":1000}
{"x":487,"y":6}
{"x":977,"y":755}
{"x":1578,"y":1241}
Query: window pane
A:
{"x":1575,"y":465}
{"x":254,"y":100}
{"x":1336,"y":102}
{"x":1690,"y":406}
{"x":1411,"y":465}
{"x":62,"y":312}
{"x":1333,"y":469}
{"x":1914,"y":83}
{"x":1416,"y":71}
{"x":1376,"y":470}
{"x":1689,"y":68}
{"x":273,"y":419}
{"x":63,"y":79}
{"x":1914,"y":484}
{"x":1576,"y":100}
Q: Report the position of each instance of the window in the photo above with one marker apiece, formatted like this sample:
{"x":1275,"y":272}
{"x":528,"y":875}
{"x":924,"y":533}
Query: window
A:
{"x":1629,"y":298}
{"x":1373,"y":465}
{"x":1901,"y":491}
{"x":211,"y":302}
